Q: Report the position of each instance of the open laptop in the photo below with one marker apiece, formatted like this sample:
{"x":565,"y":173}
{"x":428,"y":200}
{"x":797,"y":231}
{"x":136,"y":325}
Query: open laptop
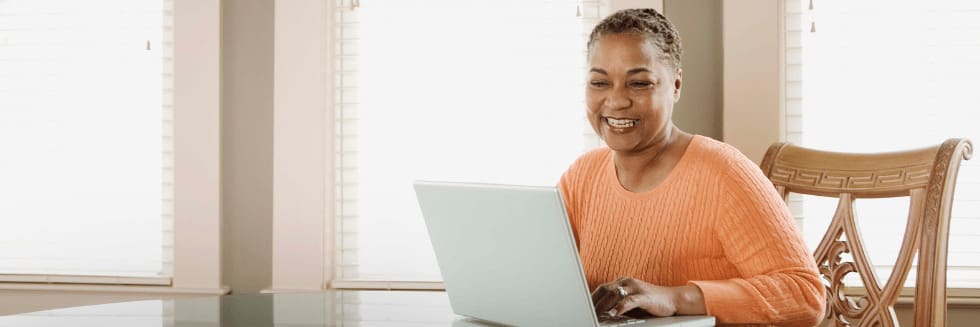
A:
{"x":507,"y":256}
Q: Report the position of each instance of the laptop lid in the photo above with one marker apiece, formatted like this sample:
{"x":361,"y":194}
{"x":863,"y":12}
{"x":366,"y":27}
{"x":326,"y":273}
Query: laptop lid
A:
{"x":506,"y":253}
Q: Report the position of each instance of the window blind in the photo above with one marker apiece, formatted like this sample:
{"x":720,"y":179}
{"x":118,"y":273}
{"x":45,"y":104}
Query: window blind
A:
{"x":873,"y":76}
{"x":477,"y":91}
{"x":86,"y":124}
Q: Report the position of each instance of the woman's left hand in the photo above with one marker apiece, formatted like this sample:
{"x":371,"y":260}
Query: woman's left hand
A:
{"x":617,"y":297}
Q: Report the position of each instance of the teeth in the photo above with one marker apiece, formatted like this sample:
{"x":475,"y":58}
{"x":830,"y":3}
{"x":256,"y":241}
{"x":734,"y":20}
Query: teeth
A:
{"x":620,"y":123}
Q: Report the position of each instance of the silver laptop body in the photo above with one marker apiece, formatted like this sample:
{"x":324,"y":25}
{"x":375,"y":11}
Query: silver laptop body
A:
{"x":507,"y":255}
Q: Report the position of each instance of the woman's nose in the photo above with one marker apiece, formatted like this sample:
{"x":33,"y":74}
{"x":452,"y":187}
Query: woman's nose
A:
{"x":617,"y":100}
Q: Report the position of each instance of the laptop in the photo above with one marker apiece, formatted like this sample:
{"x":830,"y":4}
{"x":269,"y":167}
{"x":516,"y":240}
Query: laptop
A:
{"x":507,"y":256}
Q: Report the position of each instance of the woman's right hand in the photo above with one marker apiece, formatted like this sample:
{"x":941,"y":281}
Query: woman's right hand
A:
{"x":625,"y":294}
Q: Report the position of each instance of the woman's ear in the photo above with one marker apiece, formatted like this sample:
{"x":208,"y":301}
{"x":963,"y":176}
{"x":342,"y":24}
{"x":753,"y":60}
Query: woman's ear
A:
{"x":677,"y":85}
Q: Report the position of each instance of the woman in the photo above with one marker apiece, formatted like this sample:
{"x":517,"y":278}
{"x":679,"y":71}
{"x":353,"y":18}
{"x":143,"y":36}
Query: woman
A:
{"x":672,"y":223}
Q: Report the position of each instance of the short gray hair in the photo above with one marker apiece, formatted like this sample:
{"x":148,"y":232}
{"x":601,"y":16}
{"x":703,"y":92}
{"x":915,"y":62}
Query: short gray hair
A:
{"x":646,"y":22}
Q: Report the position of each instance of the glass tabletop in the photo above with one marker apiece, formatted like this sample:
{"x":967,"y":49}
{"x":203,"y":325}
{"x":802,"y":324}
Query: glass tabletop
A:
{"x":330,"y":308}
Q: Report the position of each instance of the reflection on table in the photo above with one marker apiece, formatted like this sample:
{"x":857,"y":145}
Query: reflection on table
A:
{"x":330,"y":308}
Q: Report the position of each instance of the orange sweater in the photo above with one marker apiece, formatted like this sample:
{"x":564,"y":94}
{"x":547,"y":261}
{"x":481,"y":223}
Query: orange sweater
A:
{"x":715,"y":222}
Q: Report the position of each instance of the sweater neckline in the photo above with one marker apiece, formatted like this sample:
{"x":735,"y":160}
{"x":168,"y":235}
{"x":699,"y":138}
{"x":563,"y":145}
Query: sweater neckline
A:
{"x":681,"y":165}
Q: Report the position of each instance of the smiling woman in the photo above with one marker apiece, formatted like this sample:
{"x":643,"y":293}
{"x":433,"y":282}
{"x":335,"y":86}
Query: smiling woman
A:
{"x":636,"y":115}
{"x":670,"y":223}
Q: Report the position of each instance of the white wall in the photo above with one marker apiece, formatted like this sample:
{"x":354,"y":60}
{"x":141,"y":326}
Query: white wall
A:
{"x":615,"y":5}
{"x":301,"y":155}
{"x":751,"y":78}
{"x":699,"y":23}
{"x":246,"y":143}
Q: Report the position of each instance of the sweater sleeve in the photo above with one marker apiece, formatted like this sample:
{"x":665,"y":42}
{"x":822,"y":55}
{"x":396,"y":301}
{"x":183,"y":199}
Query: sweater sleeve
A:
{"x":780,"y":284}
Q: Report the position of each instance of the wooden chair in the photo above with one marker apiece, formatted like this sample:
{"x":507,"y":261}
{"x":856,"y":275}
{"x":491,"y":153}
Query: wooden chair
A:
{"x":927,"y":176}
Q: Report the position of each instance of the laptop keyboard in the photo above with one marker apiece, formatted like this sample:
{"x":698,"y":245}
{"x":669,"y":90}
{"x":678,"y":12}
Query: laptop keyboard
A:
{"x":606,"y":320}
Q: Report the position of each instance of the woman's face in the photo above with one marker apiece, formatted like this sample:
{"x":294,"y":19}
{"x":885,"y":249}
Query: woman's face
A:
{"x":630,"y":92}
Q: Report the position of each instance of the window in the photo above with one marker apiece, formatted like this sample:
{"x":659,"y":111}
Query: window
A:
{"x":870,"y":76}
{"x":86,"y":120}
{"x":478,"y":91}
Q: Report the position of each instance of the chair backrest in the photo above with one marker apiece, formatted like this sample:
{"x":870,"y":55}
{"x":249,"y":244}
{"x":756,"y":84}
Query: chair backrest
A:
{"x":927,"y":176}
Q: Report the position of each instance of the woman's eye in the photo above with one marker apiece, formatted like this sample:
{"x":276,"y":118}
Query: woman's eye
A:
{"x":641,"y":84}
{"x":599,"y":83}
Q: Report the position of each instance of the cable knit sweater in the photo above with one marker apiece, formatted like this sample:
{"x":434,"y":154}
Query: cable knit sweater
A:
{"x":715,"y":222}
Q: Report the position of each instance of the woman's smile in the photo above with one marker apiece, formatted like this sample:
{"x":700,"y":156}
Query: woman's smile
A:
{"x":621,"y":125}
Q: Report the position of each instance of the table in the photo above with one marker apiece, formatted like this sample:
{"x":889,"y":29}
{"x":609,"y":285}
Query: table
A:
{"x":329,"y":308}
